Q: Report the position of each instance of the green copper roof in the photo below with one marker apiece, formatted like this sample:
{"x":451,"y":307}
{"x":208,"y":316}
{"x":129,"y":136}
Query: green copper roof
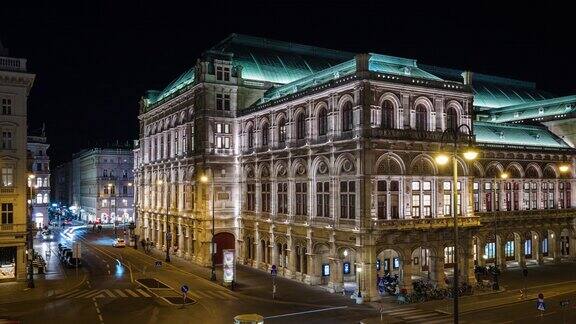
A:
{"x":537,"y":109}
{"x":492,"y":91}
{"x":377,"y":63}
{"x":516,"y":135}
{"x":275,"y":61}
{"x":183,"y":80}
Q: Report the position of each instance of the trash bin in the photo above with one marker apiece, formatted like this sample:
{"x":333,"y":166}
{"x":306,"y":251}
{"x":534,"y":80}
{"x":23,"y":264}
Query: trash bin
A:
{"x":248,"y":319}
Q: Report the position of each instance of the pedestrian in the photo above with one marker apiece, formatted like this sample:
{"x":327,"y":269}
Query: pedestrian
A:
{"x":143,"y":244}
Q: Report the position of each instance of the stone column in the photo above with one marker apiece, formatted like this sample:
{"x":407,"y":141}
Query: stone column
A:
{"x":406,"y":274}
{"x":520,"y":255}
{"x":188,"y":243}
{"x":501,"y":246}
{"x":257,"y":250}
{"x":539,"y":250}
{"x":467,"y":270}
{"x":437,"y":271}
{"x":480,"y":248}
{"x":336,"y":280}
{"x":556,"y":249}
{"x":368,"y":276}
{"x":181,"y":251}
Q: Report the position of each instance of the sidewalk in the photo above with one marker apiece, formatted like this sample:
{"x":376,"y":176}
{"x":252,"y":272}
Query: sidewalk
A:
{"x":258,"y":284}
{"x":54,"y":280}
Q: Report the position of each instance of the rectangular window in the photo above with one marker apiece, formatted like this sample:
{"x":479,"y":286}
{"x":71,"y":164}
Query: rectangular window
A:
{"x":427,"y":205}
{"x":105,"y":203}
{"x":222,"y":73}
{"x":6,"y":106}
{"x":7,"y":177}
{"x":509,"y":249}
{"x":301,"y":198}
{"x":222,"y":101}
{"x":112,"y":202}
{"x":416,"y":205}
{"x":6,"y":140}
{"x":251,"y":196}
{"x":449,"y":255}
{"x":265,"y":197}
{"x":323,"y":199}
{"x":7,"y":213}
{"x":219,"y":143}
{"x":282,"y":194}
{"x":489,"y":250}
{"x":125,"y":190}
{"x":348,"y":199}
{"x":382,"y":207}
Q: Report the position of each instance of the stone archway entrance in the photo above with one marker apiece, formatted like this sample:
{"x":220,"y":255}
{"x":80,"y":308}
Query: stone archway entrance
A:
{"x":224,"y":241}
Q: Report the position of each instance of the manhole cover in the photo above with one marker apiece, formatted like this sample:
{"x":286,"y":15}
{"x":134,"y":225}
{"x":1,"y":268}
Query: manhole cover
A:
{"x":152,"y":283}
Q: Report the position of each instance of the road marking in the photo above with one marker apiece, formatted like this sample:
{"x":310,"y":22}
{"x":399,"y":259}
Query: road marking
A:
{"x":109,"y":293}
{"x":119,"y":292}
{"x":71,"y":292}
{"x":81,"y":294}
{"x":306,"y":312}
{"x":143,"y":293}
{"x":131,"y":293}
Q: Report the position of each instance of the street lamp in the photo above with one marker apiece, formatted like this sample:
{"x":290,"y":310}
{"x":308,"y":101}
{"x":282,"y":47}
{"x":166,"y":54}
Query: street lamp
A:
{"x":204,"y":179}
{"x":503,"y":176}
{"x":564,"y":168}
{"x":30,"y":252}
{"x":442,"y":158}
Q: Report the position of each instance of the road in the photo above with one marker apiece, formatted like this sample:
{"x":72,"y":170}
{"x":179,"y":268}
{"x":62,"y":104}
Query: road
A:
{"x":111,"y":293}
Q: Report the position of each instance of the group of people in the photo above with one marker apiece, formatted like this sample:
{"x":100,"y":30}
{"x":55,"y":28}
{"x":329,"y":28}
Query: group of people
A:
{"x":146,"y":245}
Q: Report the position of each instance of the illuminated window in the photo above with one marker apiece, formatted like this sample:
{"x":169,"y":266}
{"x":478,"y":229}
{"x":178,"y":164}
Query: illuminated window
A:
{"x":45,"y":198}
{"x":490,"y":250}
{"x":449,"y":255}
{"x":39,"y":198}
{"x":282,"y":131}
{"x":7,"y":176}
{"x":509,"y":249}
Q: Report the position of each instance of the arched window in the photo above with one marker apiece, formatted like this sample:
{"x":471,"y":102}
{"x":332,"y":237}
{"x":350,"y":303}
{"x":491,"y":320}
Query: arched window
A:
{"x":45,"y":198}
{"x":421,"y":118}
{"x":265,"y":131}
{"x":451,"y":118}
{"x":300,"y":126}
{"x":347,"y":117}
{"x":39,"y":198}
{"x":322,"y":122}
{"x":387,"y":114}
{"x":250,"y":135}
{"x":282,"y":131}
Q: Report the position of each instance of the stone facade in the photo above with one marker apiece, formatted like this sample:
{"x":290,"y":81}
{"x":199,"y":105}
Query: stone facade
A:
{"x":15,"y":85}
{"x":340,"y":175}
{"x":39,"y":167}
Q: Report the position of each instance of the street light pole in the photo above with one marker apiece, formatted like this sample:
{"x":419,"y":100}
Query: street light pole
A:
{"x":469,"y":154}
{"x":30,"y":239}
{"x":204,"y":179}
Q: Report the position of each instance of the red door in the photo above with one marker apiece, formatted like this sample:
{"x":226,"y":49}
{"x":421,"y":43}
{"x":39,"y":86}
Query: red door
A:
{"x":224,"y":241}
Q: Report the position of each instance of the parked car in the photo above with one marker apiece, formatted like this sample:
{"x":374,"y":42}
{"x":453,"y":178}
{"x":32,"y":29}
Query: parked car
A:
{"x":61,"y":248}
{"x":47,"y":235}
{"x":73,"y":263}
{"x":119,"y":242}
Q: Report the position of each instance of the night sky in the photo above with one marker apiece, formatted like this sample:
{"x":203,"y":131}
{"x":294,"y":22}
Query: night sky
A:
{"x":93,"y":60}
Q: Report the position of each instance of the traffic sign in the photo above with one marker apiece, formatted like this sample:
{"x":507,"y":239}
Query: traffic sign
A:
{"x":158,"y":264}
{"x":184,"y":288}
{"x":273,"y":270}
{"x":540,"y":305}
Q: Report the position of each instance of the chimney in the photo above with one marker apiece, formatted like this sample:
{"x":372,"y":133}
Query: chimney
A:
{"x":467,"y":76}
{"x":362,"y":62}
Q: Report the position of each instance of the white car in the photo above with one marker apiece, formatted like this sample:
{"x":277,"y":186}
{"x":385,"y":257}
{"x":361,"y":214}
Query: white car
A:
{"x":119,"y":243}
{"x":47,"y":235}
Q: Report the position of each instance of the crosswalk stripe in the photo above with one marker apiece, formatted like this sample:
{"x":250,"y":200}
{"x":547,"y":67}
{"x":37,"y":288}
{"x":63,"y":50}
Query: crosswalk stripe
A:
{"x":119,"y":292}
{"x":68,"y":293}
{"x":405,"y":312}
{"x":109,"y":293}
{"x":142,"y":292}
{"x":76,"y":294}
{"x":131,"y":293}
{"x":99,"y":296}
{"x":86,"y":294}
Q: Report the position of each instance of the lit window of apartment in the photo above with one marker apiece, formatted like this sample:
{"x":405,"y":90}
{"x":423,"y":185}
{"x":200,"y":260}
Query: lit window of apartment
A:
{"x":104,"y":202}
{"x":7,"y":176}
{"x":6,"y":106}
{"x":7,"y":213}
{"x":222,"y":137}
{"x":222,"y":73}
{"x":222,"y":101}
{"x":421,"y":199}
{"x":6,"y":140}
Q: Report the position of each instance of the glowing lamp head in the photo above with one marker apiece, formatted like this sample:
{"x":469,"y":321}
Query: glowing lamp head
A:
{"x":470,"y":154}
{"x":504,"y":175}
{"x":159,"y":182}
{"x":204,"y":178}
{"x":442,"y":158}
{"x":31,"y":176}
{"x":564,"y":168}
{"x":345,"y":253}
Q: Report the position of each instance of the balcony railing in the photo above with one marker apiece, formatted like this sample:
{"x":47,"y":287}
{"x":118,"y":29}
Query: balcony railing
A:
{"x":12,"y":64}
{"x":532,"y":214}
{"x":6,"y":190}
{"x":12,"y":228}
{"x":415,"y":135}
{"x":426,"y":223}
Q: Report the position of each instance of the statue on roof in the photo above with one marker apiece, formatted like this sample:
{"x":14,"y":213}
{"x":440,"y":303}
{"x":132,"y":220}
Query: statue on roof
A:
{"x":3,"y":50}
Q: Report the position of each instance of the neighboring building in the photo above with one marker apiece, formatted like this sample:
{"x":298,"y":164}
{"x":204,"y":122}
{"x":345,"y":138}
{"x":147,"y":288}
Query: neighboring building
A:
{"x":61,"y":184}
{"x":324,"y":160}
{"x":15,"y":85}
{"x":39,"y":167}
{"x":102,"y":185}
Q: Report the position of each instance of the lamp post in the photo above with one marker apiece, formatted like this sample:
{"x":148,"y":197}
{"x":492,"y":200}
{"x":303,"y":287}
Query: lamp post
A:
{"x":168,"y":235}
{"x":503,"y":176}
{"x":443,"y":158}
{"x":204,"y":179}
{"x":30,"y":252}
{"x":110,"y":187}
